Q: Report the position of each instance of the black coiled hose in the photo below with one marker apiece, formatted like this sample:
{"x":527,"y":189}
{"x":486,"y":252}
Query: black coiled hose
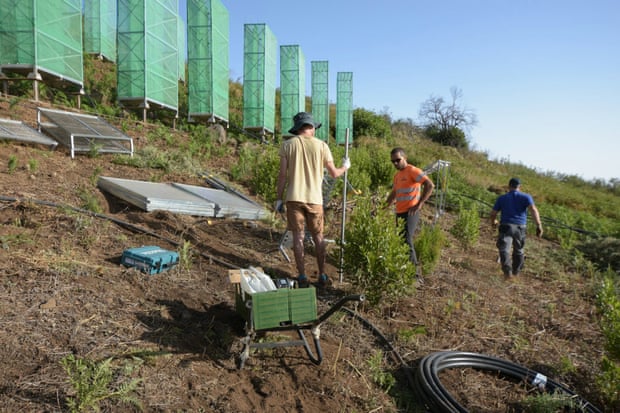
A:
{"x":437,"y":399}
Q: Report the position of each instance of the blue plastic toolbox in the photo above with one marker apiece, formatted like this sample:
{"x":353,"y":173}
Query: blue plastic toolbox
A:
{"x":150,"y":259}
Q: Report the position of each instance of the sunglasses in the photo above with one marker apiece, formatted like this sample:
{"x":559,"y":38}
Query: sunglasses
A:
{"x":397,"y":160}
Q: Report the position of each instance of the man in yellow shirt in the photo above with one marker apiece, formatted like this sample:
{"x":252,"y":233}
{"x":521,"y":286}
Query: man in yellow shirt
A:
{"x":302,"y":159}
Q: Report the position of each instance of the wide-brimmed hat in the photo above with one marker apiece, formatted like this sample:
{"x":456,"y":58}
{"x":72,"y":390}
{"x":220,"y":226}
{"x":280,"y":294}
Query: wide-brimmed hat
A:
{"x":301,"y":119}
{"x":514,"y":182}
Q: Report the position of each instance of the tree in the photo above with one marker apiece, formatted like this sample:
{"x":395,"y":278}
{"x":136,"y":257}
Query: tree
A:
{"x":446,"y":121}
{"x":370,"y":124}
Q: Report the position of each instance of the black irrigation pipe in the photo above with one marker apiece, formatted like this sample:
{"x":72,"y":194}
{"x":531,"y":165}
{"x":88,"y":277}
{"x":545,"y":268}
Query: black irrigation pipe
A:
{"x":438,"y":399}
{"x":124,"y":224}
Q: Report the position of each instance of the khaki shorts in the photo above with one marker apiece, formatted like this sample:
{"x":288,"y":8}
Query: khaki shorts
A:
{"x":301,"y":216}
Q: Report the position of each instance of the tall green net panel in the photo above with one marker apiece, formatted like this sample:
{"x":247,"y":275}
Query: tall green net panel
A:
{"x":344,"y":107}
{"x":181,"y":46}
{"x":100,"y":28}
{"x":259,"y":79}
{"x":292,"y":85}
{"x":320,"y":97}
{"x":148,"y":62}
{"x":42,"y":41}
{"x":207,"y":61}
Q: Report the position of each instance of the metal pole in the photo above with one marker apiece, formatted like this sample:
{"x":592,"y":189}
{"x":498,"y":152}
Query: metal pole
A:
{"x":344,"y":208}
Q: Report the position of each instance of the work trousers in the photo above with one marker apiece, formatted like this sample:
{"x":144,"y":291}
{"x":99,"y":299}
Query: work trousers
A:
{"x":511,"y":236}
{"x":409,"y":224}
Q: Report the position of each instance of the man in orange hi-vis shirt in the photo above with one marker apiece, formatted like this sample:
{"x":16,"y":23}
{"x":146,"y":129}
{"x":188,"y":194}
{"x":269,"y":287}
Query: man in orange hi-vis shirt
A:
{"x":410,"y":190}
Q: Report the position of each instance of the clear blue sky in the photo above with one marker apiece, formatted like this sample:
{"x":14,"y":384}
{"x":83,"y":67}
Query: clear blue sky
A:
{"x":542,"y":76}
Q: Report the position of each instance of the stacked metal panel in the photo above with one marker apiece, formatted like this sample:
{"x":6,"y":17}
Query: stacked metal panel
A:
{"x":227,"y":205}
{"x":181,"y":198}
{"x":18,"y":130}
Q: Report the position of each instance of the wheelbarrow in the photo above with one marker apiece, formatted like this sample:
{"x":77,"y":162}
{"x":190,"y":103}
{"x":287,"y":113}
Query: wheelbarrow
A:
{"x":285,"y":309}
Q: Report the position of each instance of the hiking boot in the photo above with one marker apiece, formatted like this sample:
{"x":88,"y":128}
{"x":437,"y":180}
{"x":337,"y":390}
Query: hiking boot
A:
{"x":302,"y":281}
{"x":324,"y":281}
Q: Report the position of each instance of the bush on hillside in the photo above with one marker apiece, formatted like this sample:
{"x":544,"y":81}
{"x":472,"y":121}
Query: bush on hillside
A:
{"x":375,"y":254}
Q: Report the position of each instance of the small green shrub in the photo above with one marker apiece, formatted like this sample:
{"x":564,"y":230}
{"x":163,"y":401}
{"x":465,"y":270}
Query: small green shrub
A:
{"x":185,"y":255}
{"x":428,"y":244}
{"x":147,"y":157}
{"x":603,"y":252}
{"x":96,"y":381}
{"x":550,"y":403}
{"x":609,"y":380}
{"x":89,"y":201}
{"x":13,"y":163}
{"x":375,"y":254}
{"x":466,"y":229}
{"x":609,"y":307}
{"x":379,"y":376}
{"x":248,"y":156}
{"x":33,"y":165}
{"x":264,"y":174}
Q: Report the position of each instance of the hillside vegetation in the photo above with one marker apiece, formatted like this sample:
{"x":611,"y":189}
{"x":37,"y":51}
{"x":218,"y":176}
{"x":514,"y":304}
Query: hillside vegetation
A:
{"x":82,"y":332}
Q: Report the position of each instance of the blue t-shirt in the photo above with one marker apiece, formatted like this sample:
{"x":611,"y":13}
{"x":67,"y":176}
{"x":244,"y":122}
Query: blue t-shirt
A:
{"x":513,"y":207}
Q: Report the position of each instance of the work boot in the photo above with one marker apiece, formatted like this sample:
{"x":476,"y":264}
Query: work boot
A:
{"x":302,"y":281}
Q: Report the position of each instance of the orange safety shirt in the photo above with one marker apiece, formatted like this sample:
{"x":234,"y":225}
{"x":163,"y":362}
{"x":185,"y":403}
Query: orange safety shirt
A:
{"x":408,"y":186}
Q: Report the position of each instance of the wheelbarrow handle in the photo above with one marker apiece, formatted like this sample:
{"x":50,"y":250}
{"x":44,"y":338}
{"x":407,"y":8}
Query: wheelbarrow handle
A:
{"x":356,"y":297}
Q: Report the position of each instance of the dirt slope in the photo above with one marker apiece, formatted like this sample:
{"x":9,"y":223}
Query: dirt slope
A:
{"x":63,"y":291}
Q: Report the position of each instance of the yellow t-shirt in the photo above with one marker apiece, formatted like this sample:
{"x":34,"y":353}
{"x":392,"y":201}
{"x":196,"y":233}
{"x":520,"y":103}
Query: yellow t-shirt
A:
{"x":306,"y":157}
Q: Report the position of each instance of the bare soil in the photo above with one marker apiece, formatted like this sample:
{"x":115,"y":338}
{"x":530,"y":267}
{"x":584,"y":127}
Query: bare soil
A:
{"x":63,"y":291}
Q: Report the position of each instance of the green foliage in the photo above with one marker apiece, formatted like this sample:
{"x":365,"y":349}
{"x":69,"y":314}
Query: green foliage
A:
{"x":96,"y":381}
{"x":466,"y":229}
{"x":609,"y":380}
{"x":609,"y":307}
{"x":160,"y":133}
{"x":89,"y":201}
{"x":609,"y":304}
{"x":201,"y":141}
{"x":367,"y":123}
{"x":371,"y":168}
{"x":408,"y":335}
{"x":93,"y":150}
{"x":375,"y":254}
{"x":264,"y":177}
{"x":550,"y":403}
{"x":185,"y":255}
{"x":428,"y":244}
{"x":379,"y":376}
{"x":453,"y":136}
{"x":176,"y":159}
{"x":13,"y":163}
{"x":33,"y":165}
{"x":603,"y":252}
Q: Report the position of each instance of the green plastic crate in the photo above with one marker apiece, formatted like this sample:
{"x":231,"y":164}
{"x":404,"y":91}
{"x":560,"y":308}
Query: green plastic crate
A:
{"x":281,"y":307}
{"x":302,"y":305}
{"x":270,"y":308}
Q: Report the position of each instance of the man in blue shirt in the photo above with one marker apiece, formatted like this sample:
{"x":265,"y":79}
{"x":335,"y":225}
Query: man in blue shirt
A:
{"x":512,"y":226}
